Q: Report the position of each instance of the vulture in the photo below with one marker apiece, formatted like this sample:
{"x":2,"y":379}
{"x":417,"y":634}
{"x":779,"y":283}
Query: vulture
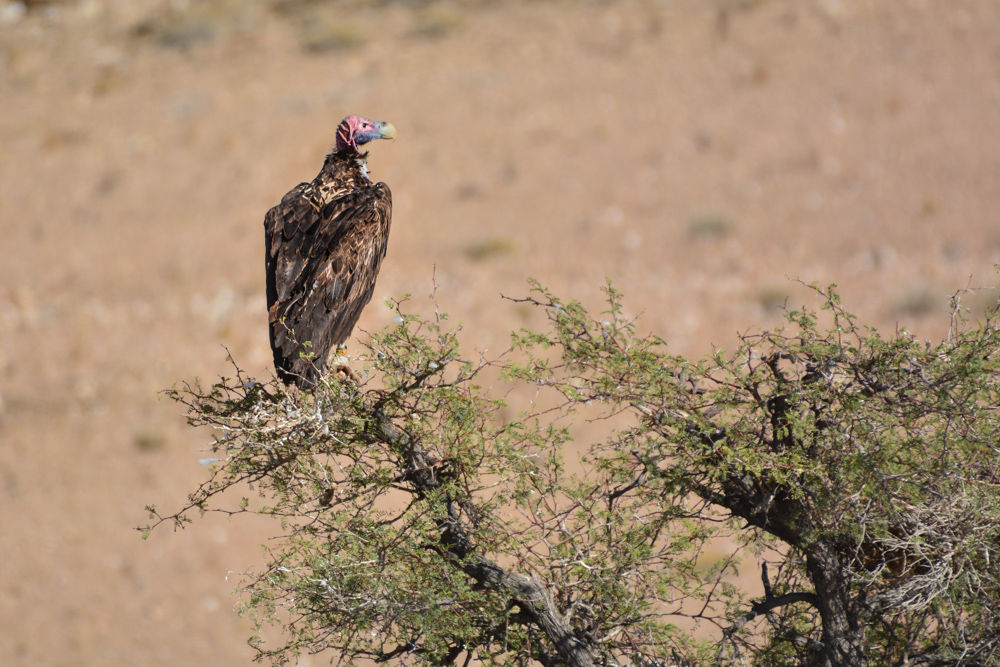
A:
{"x":324,"y":245}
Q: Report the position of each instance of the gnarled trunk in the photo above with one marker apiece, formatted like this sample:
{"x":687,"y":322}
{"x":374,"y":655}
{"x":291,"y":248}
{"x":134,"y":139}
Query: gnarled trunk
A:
{"x":843,"y":633}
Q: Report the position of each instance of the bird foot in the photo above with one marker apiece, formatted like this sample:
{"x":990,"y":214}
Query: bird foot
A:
{"x":341,"y":364}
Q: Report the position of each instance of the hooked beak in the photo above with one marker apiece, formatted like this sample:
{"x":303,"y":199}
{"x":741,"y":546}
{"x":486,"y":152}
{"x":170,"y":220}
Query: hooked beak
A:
{"x":386,"y":130}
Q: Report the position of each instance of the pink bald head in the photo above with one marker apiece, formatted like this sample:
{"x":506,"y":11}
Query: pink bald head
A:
{"x":355,"y":131}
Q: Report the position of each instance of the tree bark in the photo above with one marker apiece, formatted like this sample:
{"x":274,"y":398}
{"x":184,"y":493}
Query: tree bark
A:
{"x":526,"y":592}
{"x":531,"y":596}
{"x":843,"y":635}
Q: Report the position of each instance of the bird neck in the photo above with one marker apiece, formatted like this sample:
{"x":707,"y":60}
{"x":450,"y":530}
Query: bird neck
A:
{"x":342,"y":172}
{"x":344,"y":163}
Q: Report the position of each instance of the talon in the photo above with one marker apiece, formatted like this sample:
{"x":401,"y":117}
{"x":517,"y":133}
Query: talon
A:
{"x":342,"y":367}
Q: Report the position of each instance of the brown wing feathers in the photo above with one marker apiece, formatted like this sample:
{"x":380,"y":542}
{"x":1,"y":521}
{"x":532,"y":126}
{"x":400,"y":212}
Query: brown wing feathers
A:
{"x":324,"y":246}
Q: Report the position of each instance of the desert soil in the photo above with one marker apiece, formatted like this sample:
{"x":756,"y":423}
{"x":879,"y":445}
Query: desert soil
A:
{"x":700,"y":153}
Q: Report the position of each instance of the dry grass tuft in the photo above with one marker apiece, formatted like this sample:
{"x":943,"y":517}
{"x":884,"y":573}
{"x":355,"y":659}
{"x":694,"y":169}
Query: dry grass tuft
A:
{"x":919,"y":301}
{"x":149,"y":440}
{"x":491,"y":247}
{"x":436,"y":22}
{"x":177,"y":30}
{"x":328,"y":34}
{"x":773,"y":297}
{"x":710,"y":226}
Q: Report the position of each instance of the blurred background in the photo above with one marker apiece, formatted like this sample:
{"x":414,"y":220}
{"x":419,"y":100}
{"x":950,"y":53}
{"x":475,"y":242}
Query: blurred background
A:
{"x":700,"y":153}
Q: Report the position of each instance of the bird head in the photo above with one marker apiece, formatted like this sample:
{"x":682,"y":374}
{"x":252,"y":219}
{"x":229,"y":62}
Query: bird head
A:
{"x":354,"y":131}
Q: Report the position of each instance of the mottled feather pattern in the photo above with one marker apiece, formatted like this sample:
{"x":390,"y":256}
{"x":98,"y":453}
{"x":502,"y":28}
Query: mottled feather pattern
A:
{"x":325,"y":243}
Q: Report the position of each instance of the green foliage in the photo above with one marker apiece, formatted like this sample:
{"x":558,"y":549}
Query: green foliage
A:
{"x":862,"y":467}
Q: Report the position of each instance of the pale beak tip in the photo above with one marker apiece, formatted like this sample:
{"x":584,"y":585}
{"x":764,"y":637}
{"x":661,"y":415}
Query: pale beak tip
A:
{"x":387,"y":131}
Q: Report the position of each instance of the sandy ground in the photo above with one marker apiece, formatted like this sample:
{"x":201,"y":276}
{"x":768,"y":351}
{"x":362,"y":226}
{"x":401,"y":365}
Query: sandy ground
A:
{"x":699,"y":153}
